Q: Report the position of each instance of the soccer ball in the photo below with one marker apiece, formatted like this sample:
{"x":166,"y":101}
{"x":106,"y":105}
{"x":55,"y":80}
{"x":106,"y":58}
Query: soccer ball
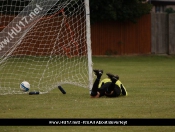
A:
{"x":25,"y":86}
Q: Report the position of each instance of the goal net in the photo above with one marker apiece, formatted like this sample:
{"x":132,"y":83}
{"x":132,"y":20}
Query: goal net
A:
{"x":44,"y":42}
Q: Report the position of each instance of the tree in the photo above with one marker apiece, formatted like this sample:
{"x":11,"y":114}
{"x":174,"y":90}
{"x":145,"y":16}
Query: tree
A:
{"x":120,"y":10}
{"x":169,"y":10}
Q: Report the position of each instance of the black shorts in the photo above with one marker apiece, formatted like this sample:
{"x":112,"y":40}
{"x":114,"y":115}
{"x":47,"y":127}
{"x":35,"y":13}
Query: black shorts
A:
{"x":103,"y":89}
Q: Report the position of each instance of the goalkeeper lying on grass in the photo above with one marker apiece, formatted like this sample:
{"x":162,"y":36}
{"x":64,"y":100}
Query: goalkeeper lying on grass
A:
{"x":109,"y":87}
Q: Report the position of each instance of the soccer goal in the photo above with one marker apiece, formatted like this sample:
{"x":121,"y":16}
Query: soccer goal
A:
{"x":44,"y":42}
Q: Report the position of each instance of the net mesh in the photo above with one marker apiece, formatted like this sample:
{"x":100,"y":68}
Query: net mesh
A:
{"x":42,"y":42}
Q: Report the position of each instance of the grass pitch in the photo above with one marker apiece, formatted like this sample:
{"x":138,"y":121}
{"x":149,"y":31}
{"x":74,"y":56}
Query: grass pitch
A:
{"x":149,"y":81}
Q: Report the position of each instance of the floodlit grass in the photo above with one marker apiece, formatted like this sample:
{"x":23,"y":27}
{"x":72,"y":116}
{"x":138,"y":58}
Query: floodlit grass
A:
{"x":149,"y":81}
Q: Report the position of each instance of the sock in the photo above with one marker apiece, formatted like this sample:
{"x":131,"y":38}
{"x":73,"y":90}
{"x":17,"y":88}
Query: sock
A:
{"x":113,"y":81}
{"x":95,"y":87}
{"x":98,"y":77}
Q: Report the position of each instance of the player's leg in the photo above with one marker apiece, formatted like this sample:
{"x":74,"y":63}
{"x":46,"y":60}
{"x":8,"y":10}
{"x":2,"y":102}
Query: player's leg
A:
{"x":111,"y":76}
{"x":98,"y":73}
{"x":116,"y":88}
{"x":112,"y":85}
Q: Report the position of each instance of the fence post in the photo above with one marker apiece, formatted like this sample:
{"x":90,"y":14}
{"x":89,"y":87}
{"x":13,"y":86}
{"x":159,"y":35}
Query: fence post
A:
{"x":172,"y":33}
{"x":159,"y":31}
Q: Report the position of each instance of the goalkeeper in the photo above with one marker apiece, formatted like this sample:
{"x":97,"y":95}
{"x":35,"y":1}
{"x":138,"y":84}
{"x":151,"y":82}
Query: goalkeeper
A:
{"x":109,"y":87}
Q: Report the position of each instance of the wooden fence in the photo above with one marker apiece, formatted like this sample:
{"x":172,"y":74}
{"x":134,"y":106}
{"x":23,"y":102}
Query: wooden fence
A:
{"x":108,"y":38}
{"x":115,"y":38}
{"x":163,"y":32}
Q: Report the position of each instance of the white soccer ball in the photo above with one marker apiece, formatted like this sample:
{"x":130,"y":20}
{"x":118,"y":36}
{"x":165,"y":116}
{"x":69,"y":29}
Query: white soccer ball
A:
{"x":25,"y":86}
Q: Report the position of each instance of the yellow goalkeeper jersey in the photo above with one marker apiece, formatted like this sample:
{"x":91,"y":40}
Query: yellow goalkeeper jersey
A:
{"x":109,"y":80}
{"x":123,"y":89}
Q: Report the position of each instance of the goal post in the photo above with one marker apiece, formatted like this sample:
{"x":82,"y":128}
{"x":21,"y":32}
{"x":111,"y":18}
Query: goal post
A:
{"x":88,"y":38}
{"x":44,"y":42}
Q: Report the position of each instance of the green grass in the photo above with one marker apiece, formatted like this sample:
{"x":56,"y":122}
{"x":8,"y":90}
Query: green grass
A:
{"x":149,"y":81}
{"x":43,"y":73}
